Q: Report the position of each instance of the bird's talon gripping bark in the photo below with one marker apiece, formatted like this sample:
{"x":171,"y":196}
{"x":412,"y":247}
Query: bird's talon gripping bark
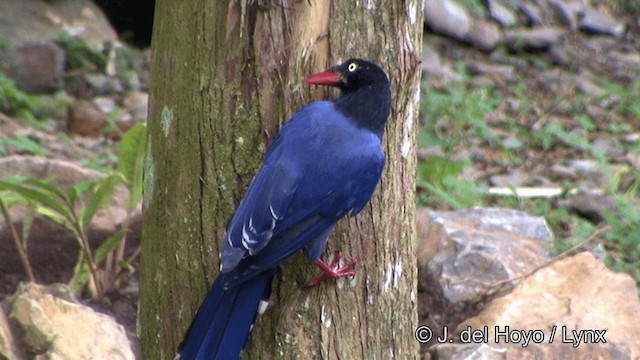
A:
{"x":334,"y":270}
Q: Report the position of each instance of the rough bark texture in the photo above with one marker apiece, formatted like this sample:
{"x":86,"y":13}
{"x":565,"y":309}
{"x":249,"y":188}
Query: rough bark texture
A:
{"x":224,"y":77}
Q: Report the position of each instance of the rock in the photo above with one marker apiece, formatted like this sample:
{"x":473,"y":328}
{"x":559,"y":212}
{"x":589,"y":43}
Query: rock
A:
{"x":578,"y":293}
{"x":590,"y":205}
{"x":101,"y":84}
{"x":94,"y":118}
{"x":447,"y":18}
{"x":86,"y":119}
{"x":64,"y":173}
{"x":595,"y":22}
{"x":534,"y":39}
{"x":484,"y":35}
{"x":433,"y":67}
{"x":609,"y":147}
{"x":567,"y":11}
{"x":28,"y":21}
{"x":36,"y":67}
{"x":514,"y":178}
{"x":501,"y":14}
{"x":469,"y":251}
{"x":62,"y":328}
{"x":8,"y":347}
{"x":531,"y":14}
{"x":504,"y":72}
{"x":137,"y":104}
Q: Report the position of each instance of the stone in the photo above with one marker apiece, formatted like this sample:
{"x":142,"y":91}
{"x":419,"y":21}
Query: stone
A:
{"x":577,"y":293}
{"x":531,"y":14}
{"x":35,"y":66}
{"x":8,"y":347}
{"x":59,"y":327}
{"x":137,"y":104}
{"x":591,"y":205}
{"x":434,"y":68}
{"x":28,"y":21}
{"x":484,"y":35}
{"x":609,"y":147}
{"x":567,"y":11}
{"x":86,"y":119}
{"x":505,"y":72}
{"x":595,"y":22}
{"x":535,"y":39}
{"x":514,"y":178}
{"x":501,"y":14}
{"x":470,"y":251}
{"x":101,"y":84}
{"x":64,"y":173}
{"x":447,"y":18}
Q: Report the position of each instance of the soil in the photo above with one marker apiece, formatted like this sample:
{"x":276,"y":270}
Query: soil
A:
{"x":53,"y":251}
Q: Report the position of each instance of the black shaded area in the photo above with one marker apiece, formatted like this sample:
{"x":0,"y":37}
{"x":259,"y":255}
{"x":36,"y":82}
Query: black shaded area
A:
{"x":132,"y":19}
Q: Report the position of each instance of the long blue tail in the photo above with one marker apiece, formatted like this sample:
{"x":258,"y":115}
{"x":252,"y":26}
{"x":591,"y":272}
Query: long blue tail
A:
{"x":222,"y":324}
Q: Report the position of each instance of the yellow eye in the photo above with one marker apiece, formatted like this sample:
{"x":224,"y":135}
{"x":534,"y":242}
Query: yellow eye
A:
{"x":352,"y":67}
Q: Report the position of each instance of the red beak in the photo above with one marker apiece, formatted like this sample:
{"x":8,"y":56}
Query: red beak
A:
{"x":327,"y":77}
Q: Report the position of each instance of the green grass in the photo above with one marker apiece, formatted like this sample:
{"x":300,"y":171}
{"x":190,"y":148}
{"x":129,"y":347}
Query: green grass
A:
{"x":454,"y":119}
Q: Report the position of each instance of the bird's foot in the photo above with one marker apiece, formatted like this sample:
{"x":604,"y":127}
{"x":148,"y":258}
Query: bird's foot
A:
{"x":334,"y":270}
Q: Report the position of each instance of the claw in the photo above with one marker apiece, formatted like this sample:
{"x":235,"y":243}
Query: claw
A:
{"x":333,"y":270}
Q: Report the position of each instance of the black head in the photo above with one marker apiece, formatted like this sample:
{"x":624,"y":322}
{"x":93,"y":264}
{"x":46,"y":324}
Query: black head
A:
{"x":366,"y":95}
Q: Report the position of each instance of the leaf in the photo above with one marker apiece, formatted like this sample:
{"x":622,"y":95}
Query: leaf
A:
{"x":55,"y":217}
{"x":126,"y":266}
{"x":109,"y":245}
{"x":132,"y":150}
{"x":47,"y":186}
{"x":435,"y":169}
{"x":75,"y":191}
{"x":101,"y":192}
{"x":81,"y":274}
{"x":41,"y":195}
{"x":24,"y":143}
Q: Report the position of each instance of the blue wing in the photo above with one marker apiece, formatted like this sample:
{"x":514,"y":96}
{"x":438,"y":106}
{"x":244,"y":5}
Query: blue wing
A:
{"x":319,"y":168}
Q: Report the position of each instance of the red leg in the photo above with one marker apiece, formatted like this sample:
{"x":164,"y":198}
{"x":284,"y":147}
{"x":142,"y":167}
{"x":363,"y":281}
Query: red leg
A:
{"x":333,"y":270}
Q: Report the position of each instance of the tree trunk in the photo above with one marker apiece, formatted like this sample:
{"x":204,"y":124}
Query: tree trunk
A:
{"x":224,"y":78}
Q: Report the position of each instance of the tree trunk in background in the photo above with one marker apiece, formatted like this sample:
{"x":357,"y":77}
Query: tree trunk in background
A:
{"x":224,"y":78}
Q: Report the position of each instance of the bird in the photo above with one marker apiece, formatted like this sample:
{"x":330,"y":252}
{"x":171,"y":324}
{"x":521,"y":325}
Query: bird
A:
{"x":324,"y":164}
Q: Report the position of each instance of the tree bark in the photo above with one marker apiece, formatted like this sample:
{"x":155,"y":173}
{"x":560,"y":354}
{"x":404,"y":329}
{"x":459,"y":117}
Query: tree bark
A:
{"x":225,"y":75}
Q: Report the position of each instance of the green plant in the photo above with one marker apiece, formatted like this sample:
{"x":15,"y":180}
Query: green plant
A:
{"x":97,"y":270}
{"x":454,"y":115}
{"x":14,"y":101}
{"x":438,"y":181}
{"x":81,"y":55}
{"x":23,"y":144}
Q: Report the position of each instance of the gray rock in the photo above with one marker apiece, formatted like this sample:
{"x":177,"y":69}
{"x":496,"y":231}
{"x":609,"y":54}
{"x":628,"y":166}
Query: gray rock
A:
{"x":470,"y":251}
{"x":535,"y":38}
{"x":104,"y":85}
{"x":484,"y":35}
{"x":593,"y":21}
{"x":506,"y":72}
{"x":36,"y":67}
{"x":447,"y":18}
{"x":532,"y":14}
{"x":55,"y":325}
{"x":514,"y":178}
{"x":568,"y":11}
{"x":136,"y":103}
{"x":434,"y":68}
{"x":609,"y":147}
{"x":591,"y":205}
{"x":27,"y":21}
{"x":501,"y":14}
